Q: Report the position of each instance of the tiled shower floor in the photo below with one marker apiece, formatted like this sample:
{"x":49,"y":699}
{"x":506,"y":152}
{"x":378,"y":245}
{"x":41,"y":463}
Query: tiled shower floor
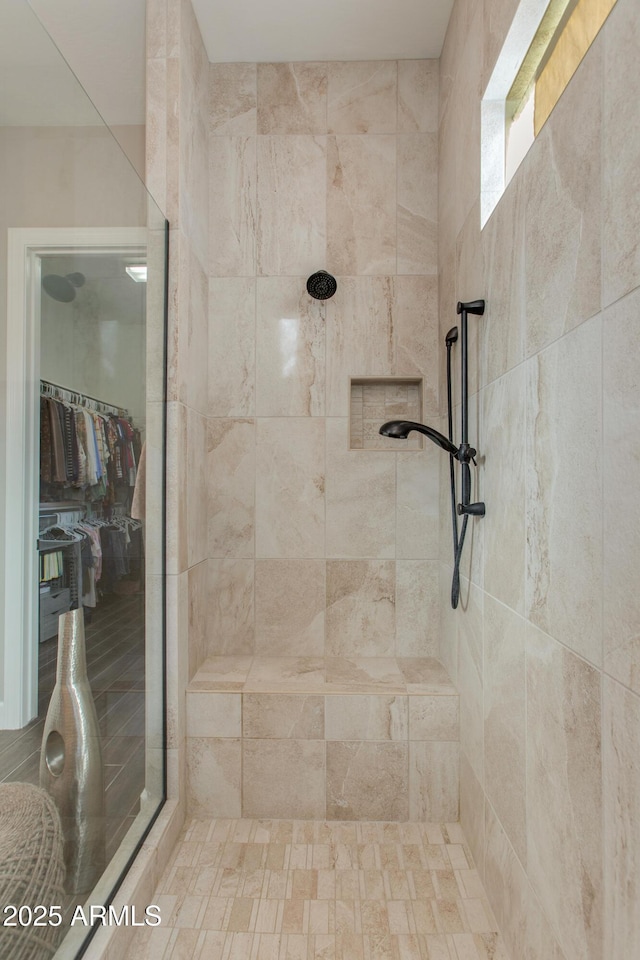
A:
{"x":300,"y":890}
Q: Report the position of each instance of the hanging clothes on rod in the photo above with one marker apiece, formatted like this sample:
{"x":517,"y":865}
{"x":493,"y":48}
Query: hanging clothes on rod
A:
{"x":86,"y":444}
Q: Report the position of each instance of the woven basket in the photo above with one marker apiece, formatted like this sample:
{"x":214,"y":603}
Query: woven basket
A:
{"x":31,"y":868}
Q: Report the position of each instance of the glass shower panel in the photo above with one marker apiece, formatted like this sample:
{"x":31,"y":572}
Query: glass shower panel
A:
{"x":83,"y":253}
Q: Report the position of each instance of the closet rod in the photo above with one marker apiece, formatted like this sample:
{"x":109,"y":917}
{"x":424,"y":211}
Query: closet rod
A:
{"x":121,"y":411}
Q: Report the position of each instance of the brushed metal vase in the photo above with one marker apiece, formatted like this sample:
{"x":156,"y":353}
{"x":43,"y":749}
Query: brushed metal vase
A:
{"x":71,"y":767}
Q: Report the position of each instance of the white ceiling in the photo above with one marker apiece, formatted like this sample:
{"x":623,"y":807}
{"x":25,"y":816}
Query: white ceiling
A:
{"x":103,"y":41}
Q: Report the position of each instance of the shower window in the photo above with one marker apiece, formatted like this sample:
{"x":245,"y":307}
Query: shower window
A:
{"x":82,"y":483}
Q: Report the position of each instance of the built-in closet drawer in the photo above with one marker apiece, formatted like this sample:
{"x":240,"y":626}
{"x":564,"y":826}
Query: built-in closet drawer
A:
{"x":51,"y":606}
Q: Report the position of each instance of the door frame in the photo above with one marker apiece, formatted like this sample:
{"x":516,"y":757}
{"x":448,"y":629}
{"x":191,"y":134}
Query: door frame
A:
{"x":20,"y":493}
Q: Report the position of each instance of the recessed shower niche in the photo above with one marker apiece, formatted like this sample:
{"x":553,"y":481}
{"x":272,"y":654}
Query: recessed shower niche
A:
{"x":374,"y":400}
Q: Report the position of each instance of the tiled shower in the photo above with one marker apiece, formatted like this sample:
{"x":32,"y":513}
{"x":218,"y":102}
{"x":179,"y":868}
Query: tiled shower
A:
{"x":293,"y":557}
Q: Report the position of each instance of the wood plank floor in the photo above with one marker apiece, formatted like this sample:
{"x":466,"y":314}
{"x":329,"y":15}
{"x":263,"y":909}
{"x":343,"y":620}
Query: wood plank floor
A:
{"x":115,"y":666}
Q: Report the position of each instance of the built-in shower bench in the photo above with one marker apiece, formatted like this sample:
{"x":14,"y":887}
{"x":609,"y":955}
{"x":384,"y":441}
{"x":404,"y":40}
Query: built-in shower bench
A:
{"x":323,"y":738}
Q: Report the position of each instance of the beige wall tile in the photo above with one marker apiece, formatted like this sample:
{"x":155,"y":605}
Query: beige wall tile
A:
{"x":621,"y":400}
{"x":361,"y":205}
{"x":290,"y":607}
{"x":367,"y":781}
{"x":434,"y":781}
{"x":232,"y":206}
{"x":176,"y":503}
{"x":449,"y":624}
{"x":196,"y":493}
{"x":361,"y":493}
{"x":621,"y":752}
{"x":564,"y":792}
{"x":366,"y":717}
{"x":214,"y":715}
{"x":434,"y":718}
{"x":502,"y":327}
{"x":232,"y":99}
{"x":279,"y":716}
{"x":292,"y":98}
{"x":230,"y":623}
{"x":360,"y":618}
{"x":470,"y":675}
{"x":284,"y":778}
{"x":197,"y":579}
{"x":213,"y":777}
{"x":232,"y":346}
{"x":418,"y":96}
{"x":418,"y":203}
{"x":564,"y":474}
{"x":417,"y":519}
{"x":503,"y":451}
{"x":472,"y":807}
{"x":417,"y":608}
{"x":416,"y":335}
{"x":290,"y":462}
{"x":621,"y":154}
{"x":360,"y":336}
{"x":504,"y":720}
{"x":524,"y":927}
{"x":291,"y":205}
{"x":362,"y":97}
{"x":563,"y":212}
{"x":290,"y":356}
{"x":231,"y":476}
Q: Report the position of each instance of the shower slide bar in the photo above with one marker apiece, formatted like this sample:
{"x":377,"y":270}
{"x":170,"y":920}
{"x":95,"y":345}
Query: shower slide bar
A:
{"x":465,"y":453}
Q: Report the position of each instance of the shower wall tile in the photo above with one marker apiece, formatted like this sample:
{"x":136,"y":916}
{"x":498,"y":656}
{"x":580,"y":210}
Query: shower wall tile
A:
{"x":197,"y":586}
{"x":214,"y":777}
{"x":282,"y":716}
{"x":434,"y":781}
{"x":434,"y":718}
{"x":362,"y":97}
{"x":290,"y":608}
{"x":360,"y":618}
{"x":232,"y":206}
{"x":176,"y":502}
{"x":360,"y":336}
{"x":502,"y":326}
{"x":367,"y":781}
{"x":232,"y":346}
{"x":361,"y":205}
{"x":503,"y":441}
{"x":418,"y":82}
{"x":417,"y":519}
{"x":231,"y":477}
{"x":621,"y":752}
{"x":564,"y":490}
{"x":290,"y":499}
{"x":284,"y":778}
{"x":291,"y":231}
{"x":504,"y":720}
{"x":360,"y":501}
{"x":417,"y":608}
{"x":232,"y":99}
{"x":417,"y":203}
{"x":563,"y":212}
{"x":470,"y":676}
{"x":472,"y":810}
{"x":363,"y":717}
{"x":564,"y":792}
{"x":290,"y":350}
{"x":214,"y":714}
{"x":621,"y":154}
{"x":415,"y":324}
{"x":230,"y":621}
{"x":292,"y":98}
{"x":196,"y":488}
{"x":621,"y":396}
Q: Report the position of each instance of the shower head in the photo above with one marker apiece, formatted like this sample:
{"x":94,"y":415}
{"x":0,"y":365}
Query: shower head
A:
{"x":63,"y":289}
{"x":400,"y":430}
{"x":321,"y":285}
